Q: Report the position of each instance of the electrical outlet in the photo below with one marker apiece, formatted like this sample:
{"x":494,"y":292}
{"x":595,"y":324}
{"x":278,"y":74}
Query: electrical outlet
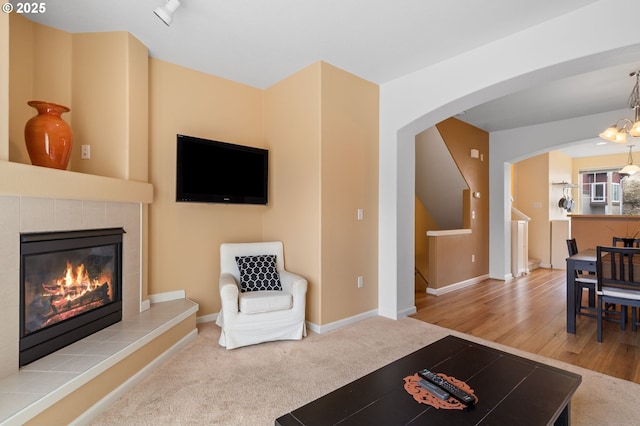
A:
{"x":360,"y":214}
{"x":473,"y":258}
{"x":85,"y":152}
{"x":360,"y":281}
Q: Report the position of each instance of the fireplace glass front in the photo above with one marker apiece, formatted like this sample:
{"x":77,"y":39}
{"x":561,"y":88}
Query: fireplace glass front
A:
{"x":71,"y":285}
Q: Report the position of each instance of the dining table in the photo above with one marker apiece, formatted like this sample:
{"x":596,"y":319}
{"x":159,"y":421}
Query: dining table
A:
{"x":584,"y":261}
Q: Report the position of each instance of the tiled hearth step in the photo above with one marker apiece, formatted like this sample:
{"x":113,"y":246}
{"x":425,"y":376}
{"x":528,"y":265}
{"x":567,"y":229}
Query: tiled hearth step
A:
{"x":54,"y":384}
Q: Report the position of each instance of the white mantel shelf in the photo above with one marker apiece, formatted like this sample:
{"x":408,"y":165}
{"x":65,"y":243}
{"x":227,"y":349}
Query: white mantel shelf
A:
{"x":25,"y":180}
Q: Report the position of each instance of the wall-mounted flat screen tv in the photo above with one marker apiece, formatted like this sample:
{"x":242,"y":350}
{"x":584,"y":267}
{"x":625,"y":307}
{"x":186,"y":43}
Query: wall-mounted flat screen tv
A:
{"x":211,"y":171}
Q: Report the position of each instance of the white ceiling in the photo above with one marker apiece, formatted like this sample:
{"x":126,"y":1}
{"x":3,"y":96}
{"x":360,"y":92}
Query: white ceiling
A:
{"x":260,"y":42}
{"x":590,"y":93}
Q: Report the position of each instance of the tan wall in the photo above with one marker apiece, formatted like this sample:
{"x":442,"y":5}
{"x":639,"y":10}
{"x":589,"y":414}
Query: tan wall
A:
{"x":349,"y":170}
{"x":424,"y":223}
{"x":591,"y":231}
{"x":321,"y":127}
{"x":532,"y":198}
{"x":39,"y":69}
{"x":101,"y":77}
{"x":292,"y":134}
{"x":185,"y":238}
{"x":100,"y":57}
{"x":449,"y":260}
{"x":4,"y":83}
{"x":52,"y":65}
{"x":460,"y":138}
{"x":560,"y":166}
{"x":137,"y":147}
{"x":601,"y":162}
{"x":21,"y":75}
{"x":537,"y":196}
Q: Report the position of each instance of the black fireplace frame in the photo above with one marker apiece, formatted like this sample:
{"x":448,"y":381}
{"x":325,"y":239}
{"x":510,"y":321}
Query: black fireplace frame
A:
{"x":54,"y":337}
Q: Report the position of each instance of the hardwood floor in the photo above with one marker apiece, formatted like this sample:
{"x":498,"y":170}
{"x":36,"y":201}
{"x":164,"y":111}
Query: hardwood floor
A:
{"x":528,"y":313}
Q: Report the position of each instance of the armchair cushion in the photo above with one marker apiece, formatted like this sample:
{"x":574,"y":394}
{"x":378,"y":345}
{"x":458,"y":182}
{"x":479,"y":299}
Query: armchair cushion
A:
{"x":258,"y":273}
{"x":255,"y":302}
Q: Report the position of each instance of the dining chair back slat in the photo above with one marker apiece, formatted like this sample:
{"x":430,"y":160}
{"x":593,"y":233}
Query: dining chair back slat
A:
{"x":625,"y":242}
{"x":583,"y":281}
{"x":616,"y":272}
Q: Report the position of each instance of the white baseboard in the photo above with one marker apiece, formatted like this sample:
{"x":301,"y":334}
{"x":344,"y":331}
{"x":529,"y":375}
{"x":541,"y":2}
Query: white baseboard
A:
{"x":118,"y":392}
{"x":145,"y":305}
{"x":409,"y":311}
{"x":341,"y":323}
{"x":312,"y":326}
{"x":206,"y":318}
{"x":456,"y":286}
{"x":168,"y":296}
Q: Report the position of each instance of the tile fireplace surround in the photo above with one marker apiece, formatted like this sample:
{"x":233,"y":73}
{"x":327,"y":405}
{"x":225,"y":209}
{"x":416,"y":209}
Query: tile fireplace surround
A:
{"x":26,"y":214}
{"x":30,"y":214}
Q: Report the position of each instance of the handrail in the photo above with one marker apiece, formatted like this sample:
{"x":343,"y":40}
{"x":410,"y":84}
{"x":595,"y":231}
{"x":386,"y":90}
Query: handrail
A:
{"x":519,"y":214}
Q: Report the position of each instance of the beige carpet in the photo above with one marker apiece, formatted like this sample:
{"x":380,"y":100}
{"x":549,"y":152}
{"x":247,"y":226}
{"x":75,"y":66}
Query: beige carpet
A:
{"x":205,"y":384}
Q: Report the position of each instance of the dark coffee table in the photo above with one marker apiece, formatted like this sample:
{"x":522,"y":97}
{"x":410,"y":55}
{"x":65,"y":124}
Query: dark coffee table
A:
{"x":511,"y":390}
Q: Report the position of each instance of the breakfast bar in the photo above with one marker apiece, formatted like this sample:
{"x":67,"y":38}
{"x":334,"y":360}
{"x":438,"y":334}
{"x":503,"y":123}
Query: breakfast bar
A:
{"x":592,"y":230}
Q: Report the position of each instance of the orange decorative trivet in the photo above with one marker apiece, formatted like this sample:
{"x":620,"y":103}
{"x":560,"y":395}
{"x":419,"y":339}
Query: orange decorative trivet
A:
{"x":423,"y":396}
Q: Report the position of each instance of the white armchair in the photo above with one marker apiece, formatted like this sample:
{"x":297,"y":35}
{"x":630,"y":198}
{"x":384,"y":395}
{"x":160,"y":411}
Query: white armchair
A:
{"x":259,"y":315}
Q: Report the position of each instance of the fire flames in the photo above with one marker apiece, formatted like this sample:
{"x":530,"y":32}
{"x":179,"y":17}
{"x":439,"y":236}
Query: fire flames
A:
{"x":76,"y":283}
{"x":71,"y":294}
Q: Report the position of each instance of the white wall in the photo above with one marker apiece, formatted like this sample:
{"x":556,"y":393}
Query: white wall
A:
{"x":574,"y":43}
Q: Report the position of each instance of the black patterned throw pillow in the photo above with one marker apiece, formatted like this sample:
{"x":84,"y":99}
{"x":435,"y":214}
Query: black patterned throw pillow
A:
{"x":258,"y":273}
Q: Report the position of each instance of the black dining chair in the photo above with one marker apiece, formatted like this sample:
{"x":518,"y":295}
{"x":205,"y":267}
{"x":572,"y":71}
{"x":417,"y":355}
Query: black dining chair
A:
{"x":583,"y":281}
{"x":618,"y":282}
{"x":626,"y":242}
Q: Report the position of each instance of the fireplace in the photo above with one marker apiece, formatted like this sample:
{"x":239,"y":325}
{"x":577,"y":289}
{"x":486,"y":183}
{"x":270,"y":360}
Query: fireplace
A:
{"x":70,"y":287}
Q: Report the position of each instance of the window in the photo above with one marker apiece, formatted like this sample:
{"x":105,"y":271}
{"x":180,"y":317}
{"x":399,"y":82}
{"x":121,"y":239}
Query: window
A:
{"x":615,"y":192}
{"x":599,"y":192}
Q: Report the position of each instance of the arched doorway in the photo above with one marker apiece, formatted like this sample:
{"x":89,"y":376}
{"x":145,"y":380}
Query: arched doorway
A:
{"x":448,"y":88}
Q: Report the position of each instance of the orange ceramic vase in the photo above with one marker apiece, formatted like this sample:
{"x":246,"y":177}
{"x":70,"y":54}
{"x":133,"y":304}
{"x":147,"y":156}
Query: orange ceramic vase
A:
{"x":48,"y":136}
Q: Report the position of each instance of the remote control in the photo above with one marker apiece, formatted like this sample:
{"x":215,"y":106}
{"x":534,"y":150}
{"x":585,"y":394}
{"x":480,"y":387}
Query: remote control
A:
{"x":434,"y":390}
{"x":455,"y":391}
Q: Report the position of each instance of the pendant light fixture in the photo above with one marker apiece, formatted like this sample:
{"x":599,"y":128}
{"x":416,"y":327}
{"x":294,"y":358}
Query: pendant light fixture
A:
{"x":166,"y":12}
{"x":619,"y":131}
{"x":630,"y":168}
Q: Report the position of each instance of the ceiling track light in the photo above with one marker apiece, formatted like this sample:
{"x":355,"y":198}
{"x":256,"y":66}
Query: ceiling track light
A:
{"x":619,"y":131}
{"x":630,"y":168}
{"x":166,"y":12}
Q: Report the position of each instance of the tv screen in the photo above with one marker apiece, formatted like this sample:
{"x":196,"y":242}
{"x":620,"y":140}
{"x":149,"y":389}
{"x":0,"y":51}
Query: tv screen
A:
{"x":219,"y":172}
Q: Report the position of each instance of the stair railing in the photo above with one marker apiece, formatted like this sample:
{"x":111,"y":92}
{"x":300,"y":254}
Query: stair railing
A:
{"x":519,"y":242}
